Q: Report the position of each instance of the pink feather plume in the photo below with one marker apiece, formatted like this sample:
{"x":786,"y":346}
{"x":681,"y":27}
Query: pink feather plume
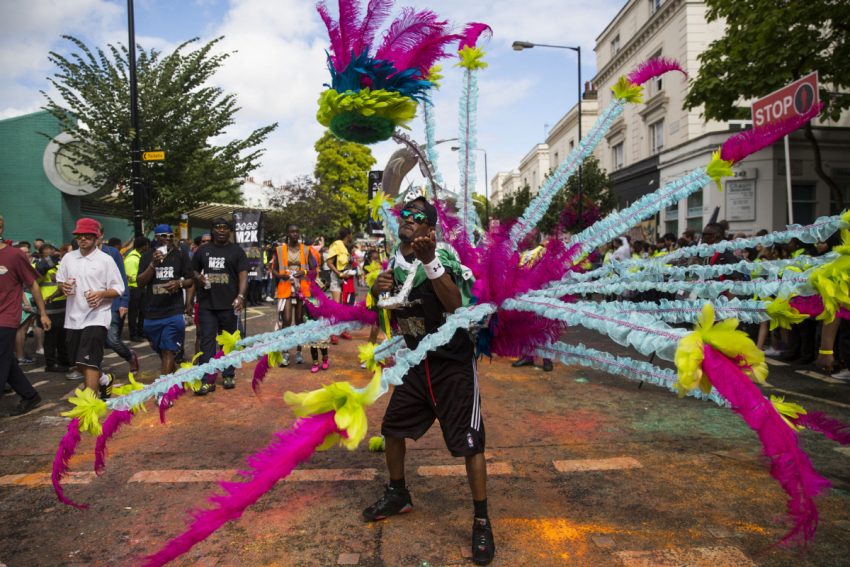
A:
{"x":260,"y":372}
{"x":654,"y":68}
{"x":111,"y":426}
{"x":66,"y":450}
{"x":169,"y":398}
{"x":336,"y":312}
{"x":408,"y":32}
{"x":338,"y":50}
{"x":811,"y":305}
{"x":789,"y":465}
{"x":376,"y":12}
{"x":830,"y":427}
{"x":750,"y":141}
{"x":268,"y":466}
{"x":472,"y":33}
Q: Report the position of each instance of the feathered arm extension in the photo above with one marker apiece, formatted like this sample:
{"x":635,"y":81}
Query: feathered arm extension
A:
{"x":750,"y":141}
{"x":67,"y":448}
{"x":789,"y":465}
{"x":110,"y":427}
{"x":652,"y":68}
{"x":830,"y":427}
{"x":260,"y":373}
{"x":336,"y":312}
{"x":267,"y":467}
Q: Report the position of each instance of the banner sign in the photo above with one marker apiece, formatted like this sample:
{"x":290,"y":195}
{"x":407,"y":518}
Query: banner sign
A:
{"x":247,"y":230}
{"x":373,"y":227}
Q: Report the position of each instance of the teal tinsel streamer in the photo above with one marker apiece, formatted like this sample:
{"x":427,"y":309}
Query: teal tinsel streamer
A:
{"x":686,"y":310}
{"x":467,"y":142}
{"x":431,"y":147}
{"x":636,"y":370}
{"x":540,"y":204}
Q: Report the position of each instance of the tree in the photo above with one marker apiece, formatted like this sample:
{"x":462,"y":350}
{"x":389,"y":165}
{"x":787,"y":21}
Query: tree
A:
{"x":178,"y":113}
{"x":511,"y":206}
{"x":767,"y":45}
{"x":342,"y":170}
{"x":306,"y":204}
{"x":482,"y":207}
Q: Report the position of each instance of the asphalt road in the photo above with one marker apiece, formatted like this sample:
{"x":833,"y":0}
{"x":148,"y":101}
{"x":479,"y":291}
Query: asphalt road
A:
{"x":585,"y":469}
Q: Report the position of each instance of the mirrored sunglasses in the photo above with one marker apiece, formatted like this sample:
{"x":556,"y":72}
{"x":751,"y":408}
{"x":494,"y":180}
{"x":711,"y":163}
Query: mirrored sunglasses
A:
{"x":418,"y":216}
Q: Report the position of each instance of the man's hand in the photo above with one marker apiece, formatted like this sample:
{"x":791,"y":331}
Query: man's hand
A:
{"x":172,"y":286}
{"x":284,"y":276}
{"x":825,"y":362}
{"x":157,"y":258}
{"x":45,"y":322}
{"x":384,"y":283}
{"x":425,"y":248}
{"x":238,"y":303}
{"x":300,"y":273}
{"x":94,"y":298}
{"x":190,"y":310}
{"x":122,"y":311}
{"x":67,"y":288}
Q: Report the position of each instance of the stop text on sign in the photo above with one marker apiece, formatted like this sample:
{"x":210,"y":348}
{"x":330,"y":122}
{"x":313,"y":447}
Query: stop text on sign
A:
{"x":794,"y":99}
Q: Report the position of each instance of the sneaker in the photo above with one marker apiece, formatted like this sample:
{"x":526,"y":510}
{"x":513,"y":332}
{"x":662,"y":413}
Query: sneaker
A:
{"x":25,"y":361}
{"x":269,"y":299}
{"x":285,"y":360}
{"x":298,"y":358}
{"x":547,"y":365}
{"x":134,"y":362}
{"x":39,"y":351}
{"x":524,"y":361}
{"x":27,"y":405}
{"x":325,"y":364}
{"x":205,"y":389}
{"x":843,"y":375}
{"x":229,"y":382}
{"x":74,"y":375}
{"x":394,"y":501}
{"x":772,"y":352}
{"x":106,"y":389}
{"x":345,"y":335}
{"x":315,"y":367}
{"x":334,"y":340}
{"x":483,"y":548}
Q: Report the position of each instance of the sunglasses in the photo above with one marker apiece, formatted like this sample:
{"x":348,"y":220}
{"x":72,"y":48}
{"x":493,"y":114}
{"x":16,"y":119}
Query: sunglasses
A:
{"x":418,"y":216}
{"x":221,"y":226}
{"x":165,"y":235}
{"x":85,"y":236}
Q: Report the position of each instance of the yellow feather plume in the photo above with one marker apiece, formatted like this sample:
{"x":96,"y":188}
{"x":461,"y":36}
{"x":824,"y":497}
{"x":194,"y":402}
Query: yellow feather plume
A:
{"x":783,"y":315}
{"x":89,"y":408}
{"x":788,"y":411}
{"x":627,"y":91}
{"x":472,"y":58}
{"x":718,"y":168}
{"x":228,"y":340}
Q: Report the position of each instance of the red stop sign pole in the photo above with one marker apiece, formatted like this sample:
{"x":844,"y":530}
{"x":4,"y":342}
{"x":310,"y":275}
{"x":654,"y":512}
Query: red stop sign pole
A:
{"x":794,"y":99}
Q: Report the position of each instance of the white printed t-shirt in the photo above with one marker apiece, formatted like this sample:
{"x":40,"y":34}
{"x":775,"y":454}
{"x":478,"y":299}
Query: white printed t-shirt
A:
{"x":95,"y":272}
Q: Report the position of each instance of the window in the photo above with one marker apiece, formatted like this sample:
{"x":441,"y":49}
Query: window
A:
{"x":654,"y":5}
{"x":694,"y":213}
{"x":656,"y":136}
{"x":656,"y":84}
{"x":615,"y":45}
{"x":803,"y":202}
{"x":617,"y":156}
{"x":572,"y":144}
{"x":671,"y":226}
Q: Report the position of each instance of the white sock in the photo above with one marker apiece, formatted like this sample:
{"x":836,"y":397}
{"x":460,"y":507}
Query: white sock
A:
{"x":104,"y":380}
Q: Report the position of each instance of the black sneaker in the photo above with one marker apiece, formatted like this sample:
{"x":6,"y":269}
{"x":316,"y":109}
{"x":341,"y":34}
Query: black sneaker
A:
{"x":394,"y":501}
{"x":483,"y":548}
{"x":524,"y":361}
{"x":229,"y":382}
{"x":205,"y":389}
{"x":547,"y":365}
{"x":106,"y":389}
{"x":26,"y":405}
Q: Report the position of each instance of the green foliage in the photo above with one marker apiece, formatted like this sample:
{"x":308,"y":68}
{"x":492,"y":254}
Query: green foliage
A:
{"x":342,"y":171}
{"x":512,"y":206}
{"x":178,"y":113}
{"x":481,"y":207}
{"x":309,"y":206}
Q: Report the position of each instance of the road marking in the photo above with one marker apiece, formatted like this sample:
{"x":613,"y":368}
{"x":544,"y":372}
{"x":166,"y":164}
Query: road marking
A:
{"x":348,"y":559}
{"x":40,"y":383}
{"x":214,"y":475}
{"x":843,"y":450}
{"x":806,"y":396}
{"x":693,"y":557}
{"x":774,"y":362}
{"x":583,"y":465}
{"x":36,"y":410}
{"x":43,"y":478}
{"x":819,"y":376}
{"x":460,"y":470}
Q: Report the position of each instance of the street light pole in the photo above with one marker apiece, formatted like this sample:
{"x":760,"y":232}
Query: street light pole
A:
{"x":135,"y":148}
{"x":519,"y":46}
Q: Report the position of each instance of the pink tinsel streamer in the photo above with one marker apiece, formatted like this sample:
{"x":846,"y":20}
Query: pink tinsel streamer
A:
{"x":749,"y":142}
{"x":830,"y":427}
{"x":260,"y":372}
{"x":169,"y":398}
{"x":66,"y":450}
{"x":210,"y":378}
{"x":110,"y":427}
{"x":336,"y":312}
{"x":653,"y":68}
{"x":268,"y":466}
{"x":789,"y":465}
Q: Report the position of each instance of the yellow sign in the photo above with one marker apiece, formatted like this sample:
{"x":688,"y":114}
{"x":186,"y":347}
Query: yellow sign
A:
{"x":153,"y":156}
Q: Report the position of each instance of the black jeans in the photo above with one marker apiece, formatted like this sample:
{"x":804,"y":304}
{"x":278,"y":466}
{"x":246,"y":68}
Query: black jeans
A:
{"x":9,"y":370}
{"x":210,"y":323}
{"x":55,"y":349}
{"x":136,"y":312}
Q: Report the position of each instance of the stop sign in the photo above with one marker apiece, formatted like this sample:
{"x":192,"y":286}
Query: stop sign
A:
{"x":791,"y":100}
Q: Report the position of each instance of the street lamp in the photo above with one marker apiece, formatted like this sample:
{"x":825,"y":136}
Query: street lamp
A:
{"x":139,"y":197}
{"x":519,"y":46}
{"x":486,"y":186}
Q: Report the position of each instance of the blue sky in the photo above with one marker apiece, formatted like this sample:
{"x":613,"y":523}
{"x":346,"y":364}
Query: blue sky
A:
{"x":278,"y":69}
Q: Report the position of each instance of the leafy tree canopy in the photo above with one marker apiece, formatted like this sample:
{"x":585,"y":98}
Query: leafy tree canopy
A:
{"x":179,"y":112}
{"x":342,"y":170}
{"x":308,"y":205}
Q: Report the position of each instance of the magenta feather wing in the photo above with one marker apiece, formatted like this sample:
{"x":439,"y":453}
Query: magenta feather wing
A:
{"x":830,"y":427}
{"x":749,"y":142}
{"x":349,"y":23}
{"x":110,"y":427}
{"x":336,"y":312}
{"x":430,"y":49}
{"x":407,"y":32}
{"x":67,"y":448}
{"x":654,"y":68}
{"x":339,"y":57}
{"x":376,"y":12}
{"x":789,"y":465}
{"x":472,"y":33}
{"x":260,"y":372}
{"x":268,"y":466}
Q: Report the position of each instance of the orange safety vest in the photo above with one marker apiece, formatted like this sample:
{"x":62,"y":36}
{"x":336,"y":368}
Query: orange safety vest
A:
{"x":284,"y":287}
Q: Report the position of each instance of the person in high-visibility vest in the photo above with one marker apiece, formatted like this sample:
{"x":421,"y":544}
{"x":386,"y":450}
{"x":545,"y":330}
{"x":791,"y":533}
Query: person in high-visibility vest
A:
{"x":293,"y":263}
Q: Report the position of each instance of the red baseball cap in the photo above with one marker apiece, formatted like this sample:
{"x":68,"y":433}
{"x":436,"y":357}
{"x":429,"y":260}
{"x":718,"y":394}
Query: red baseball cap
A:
{"x":87,"y":226}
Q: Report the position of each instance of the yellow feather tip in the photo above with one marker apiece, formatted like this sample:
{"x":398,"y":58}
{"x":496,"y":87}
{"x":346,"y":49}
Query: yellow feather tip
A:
{"x":89,"y":408}
{"x":718,"y":168}
{"x":471,"y":58}
{"x":627,"y":91}
{"x":376,"y":444}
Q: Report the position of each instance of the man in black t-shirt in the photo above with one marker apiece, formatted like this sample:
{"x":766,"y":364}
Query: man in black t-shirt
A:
{"x":444,"y":386}
{"x":164,"y":273}
{"x":221,"y":270}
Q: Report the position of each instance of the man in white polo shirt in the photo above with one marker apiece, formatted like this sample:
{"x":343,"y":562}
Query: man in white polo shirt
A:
{"x":91,"y":280}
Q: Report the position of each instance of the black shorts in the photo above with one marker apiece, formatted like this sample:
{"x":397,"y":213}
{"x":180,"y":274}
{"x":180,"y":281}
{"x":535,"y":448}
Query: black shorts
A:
{"x":439,"y":389}
{"x":85,"y":346}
